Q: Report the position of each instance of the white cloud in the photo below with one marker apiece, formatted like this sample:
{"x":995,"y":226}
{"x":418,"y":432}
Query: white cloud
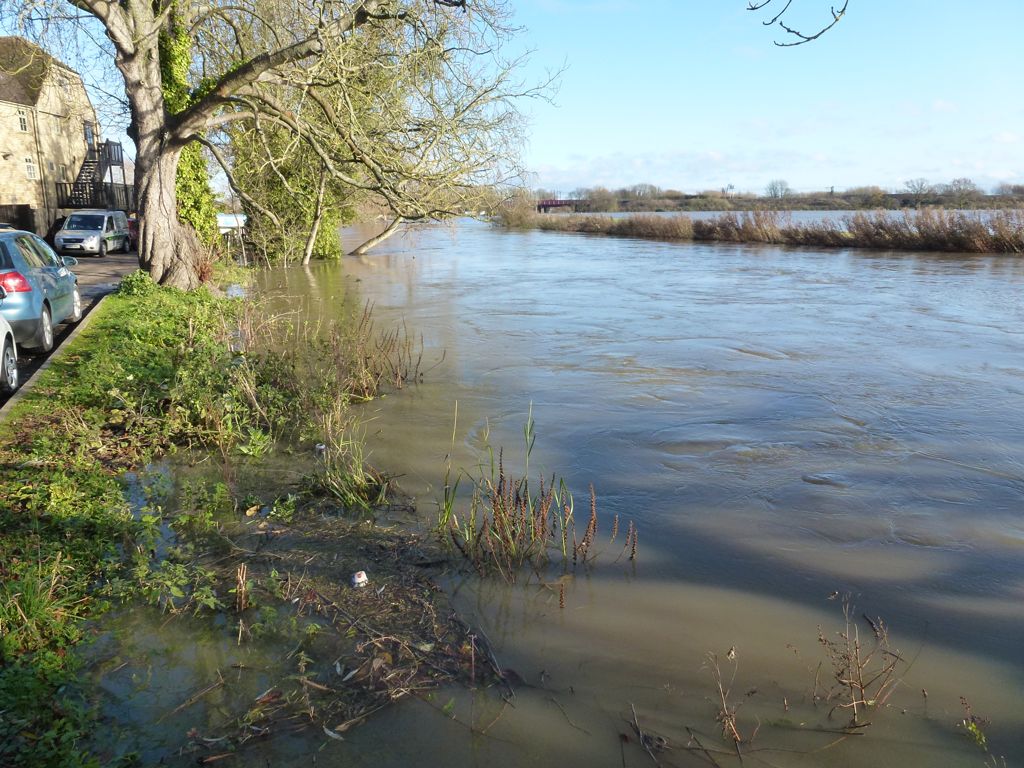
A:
{"x":749,"y":169}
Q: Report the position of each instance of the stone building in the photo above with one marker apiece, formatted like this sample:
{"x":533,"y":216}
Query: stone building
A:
{"x":51,"y":157}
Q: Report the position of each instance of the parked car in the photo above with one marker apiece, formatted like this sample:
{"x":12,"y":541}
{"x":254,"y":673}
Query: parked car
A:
{"x":39,"y":289}
{"x":99,"y":232}
{"x":9,"y":377}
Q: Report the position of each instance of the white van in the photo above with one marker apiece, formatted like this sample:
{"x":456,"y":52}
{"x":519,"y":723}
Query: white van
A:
{"x":99,"y":232}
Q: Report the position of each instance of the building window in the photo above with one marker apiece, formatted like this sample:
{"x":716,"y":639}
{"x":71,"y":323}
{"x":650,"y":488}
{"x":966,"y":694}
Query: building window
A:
{"x":30,"y":169}
{"x":63,"y":172}
{"x":22,"y":121}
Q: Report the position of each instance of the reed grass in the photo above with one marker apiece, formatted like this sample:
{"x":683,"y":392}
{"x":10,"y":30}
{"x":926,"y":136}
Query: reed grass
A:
{"x":342,"y":467}
{"x":507,"y":525}
{"x":299,"y":382}
{"x":928,"y":229}
{"x":646,"y":226}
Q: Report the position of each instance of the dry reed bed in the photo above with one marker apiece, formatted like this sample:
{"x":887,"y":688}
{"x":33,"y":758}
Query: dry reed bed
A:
{"x":930,"y":229}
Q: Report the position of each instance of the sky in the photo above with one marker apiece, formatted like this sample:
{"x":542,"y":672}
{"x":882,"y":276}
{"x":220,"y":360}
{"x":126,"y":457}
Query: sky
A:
{"x":694,"y":95}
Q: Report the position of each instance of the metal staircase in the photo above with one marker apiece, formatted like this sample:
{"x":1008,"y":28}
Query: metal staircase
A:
{"x":83,"y":189}
{"x":89,"y":190}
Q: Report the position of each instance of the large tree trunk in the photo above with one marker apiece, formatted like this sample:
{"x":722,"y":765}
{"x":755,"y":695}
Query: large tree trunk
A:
{"x":168,"y":249}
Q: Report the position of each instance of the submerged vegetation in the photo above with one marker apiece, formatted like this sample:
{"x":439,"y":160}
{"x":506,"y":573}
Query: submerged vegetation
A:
{"x":159,"y":370}
{"x":91,"y":522}
{"x":506,"y":526}
{"x":928,"y":229}
{"x":855,"y":677}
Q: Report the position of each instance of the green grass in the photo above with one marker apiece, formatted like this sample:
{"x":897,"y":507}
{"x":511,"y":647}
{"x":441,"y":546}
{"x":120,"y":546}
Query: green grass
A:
{"x":66,"y":531}
{"x":155,"y":369}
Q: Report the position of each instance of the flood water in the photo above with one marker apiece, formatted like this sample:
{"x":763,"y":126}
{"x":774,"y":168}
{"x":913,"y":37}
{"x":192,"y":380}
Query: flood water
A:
{"x":782,"y":424}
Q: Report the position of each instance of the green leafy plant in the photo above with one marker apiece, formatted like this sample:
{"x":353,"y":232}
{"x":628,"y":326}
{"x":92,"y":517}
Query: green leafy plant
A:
{"x":342,"y":469}
{"x":195,"y":199}
{"x":974,"y":725}
{"x":258,"y":443}
{"x":156,"y":368}
{"x":137,"y":283}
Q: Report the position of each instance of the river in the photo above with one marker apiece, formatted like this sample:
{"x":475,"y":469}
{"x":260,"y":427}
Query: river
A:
{"x":782,"y":424}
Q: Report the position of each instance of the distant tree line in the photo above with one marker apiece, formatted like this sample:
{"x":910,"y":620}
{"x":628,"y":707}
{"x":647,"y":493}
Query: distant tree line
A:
{"x":960,"y":193}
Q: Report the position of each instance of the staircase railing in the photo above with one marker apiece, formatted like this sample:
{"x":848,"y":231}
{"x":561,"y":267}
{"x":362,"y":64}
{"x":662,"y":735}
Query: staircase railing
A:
{"x":89,"y":190}
{"x":96,"y":194}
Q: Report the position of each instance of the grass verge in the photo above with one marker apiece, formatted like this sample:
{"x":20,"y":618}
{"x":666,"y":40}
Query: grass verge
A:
{"x":109,"y":403}
{"x":156,"y":370}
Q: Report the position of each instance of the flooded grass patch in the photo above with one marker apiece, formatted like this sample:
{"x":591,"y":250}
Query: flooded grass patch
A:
{"x":158,"y":370}
{"x":307,"y":648}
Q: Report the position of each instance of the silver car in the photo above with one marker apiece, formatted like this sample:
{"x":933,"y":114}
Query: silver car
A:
{"x":99,"y":232}
{"x":39,"y":289}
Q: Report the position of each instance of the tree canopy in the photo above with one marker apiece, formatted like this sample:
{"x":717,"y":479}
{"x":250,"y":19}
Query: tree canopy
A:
{"x":410,"y":102}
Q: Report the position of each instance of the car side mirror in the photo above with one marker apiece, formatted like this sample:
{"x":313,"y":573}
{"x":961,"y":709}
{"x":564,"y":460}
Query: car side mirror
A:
{"x":3,"y":293}
{"x":70,"y":261}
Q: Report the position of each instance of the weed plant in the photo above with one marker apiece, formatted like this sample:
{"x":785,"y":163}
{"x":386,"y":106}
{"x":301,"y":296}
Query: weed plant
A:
{"x":342,"y":470}
{"x":865,"y":672}
{"x":298,"y":383}
{"x":109,"y":403}
{"x":508,"y":526}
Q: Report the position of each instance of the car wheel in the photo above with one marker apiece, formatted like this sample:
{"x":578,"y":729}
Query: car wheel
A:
{"x":76,"y":306}
{"x":9,"y":378}
{"x":45,"y":335}
{"x":103,"y":248}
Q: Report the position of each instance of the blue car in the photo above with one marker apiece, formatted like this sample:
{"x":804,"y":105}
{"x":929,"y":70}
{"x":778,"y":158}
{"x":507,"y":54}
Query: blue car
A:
{"x":39,"y":289}
{"x":10,"y":378}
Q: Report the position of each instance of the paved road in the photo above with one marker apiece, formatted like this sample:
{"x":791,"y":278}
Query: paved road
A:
{"x":96,"y":278}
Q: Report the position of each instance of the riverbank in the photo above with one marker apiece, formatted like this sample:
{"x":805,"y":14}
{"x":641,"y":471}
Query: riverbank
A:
{"x":930,"y":229}
{"x":90,"y":521}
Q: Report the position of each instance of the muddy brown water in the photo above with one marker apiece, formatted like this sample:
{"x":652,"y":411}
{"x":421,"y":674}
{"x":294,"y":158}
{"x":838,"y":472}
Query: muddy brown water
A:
{"x":782,"y":424}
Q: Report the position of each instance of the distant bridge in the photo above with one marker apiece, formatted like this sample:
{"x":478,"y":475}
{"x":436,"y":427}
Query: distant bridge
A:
{"x":545,"y":206}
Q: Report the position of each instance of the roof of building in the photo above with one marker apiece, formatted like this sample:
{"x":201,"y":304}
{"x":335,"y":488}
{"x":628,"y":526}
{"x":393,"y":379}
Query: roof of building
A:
{"x":23,"y":70}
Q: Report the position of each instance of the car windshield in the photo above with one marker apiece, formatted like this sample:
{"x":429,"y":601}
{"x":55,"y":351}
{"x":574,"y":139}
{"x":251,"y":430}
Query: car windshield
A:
{"x":81,"y":221}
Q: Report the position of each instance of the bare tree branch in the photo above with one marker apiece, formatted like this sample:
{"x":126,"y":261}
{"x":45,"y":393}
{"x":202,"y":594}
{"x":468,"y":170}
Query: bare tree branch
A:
{"x":801,"y":37}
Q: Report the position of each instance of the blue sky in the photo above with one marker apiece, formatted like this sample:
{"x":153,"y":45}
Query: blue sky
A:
{"x":693,"y":95}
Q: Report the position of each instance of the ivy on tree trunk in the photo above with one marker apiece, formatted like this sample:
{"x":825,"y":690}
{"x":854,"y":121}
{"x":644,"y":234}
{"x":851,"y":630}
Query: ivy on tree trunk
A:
{"x":192,"y":179}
